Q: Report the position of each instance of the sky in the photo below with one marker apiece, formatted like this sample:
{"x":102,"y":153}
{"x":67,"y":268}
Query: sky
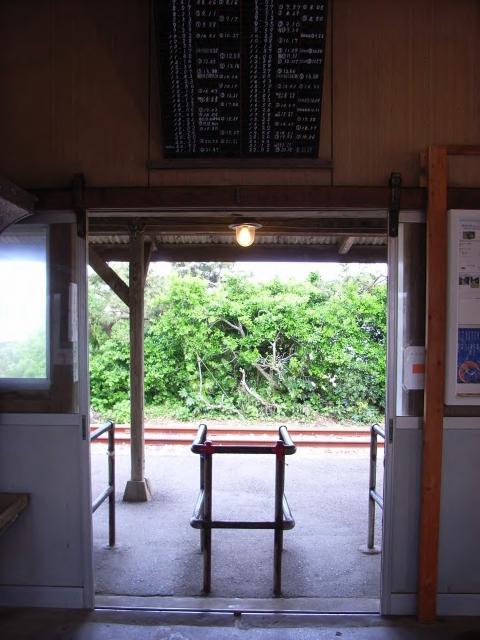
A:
{"x":287,"y":270}
{"x":23,"y":294}
{"x":23,"y":284}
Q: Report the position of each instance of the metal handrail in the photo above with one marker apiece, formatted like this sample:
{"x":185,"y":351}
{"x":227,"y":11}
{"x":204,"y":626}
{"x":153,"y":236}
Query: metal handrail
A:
{"x":199,"y":438}
{"x":202,"y":512}
{"x":109,"y":492}
{"x":198,"y":445}
{"x":374,"y":498}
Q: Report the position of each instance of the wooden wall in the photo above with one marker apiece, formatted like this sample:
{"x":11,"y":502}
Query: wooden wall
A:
{"x":406,"y":75}
{"x":78,"y":93}
{"x":74,"y":86}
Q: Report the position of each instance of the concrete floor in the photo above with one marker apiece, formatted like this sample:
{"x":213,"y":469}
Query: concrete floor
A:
{"x":157,"y":552}
{"x":31,"y":624}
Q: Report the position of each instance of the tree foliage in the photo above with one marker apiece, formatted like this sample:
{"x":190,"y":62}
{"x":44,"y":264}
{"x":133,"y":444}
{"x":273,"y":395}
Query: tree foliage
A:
{"x":24,"y":358}
{"x":213,"y":272}
{"x":232,"y":346}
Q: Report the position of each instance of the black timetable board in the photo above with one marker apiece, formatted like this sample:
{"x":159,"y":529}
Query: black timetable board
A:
{"x":241,"y":78}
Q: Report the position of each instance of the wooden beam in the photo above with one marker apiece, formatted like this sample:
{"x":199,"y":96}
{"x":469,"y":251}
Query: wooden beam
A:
{"x":463,"y":150}
{"x":148,"y":250}
{"x":436,"y":312}
{"x":251,"y":197}
{"x":166,"y":164}
{"x":137,"y":489}
{"x":78,"y":190}
{"x":15,"y":203}
{"x":423,"y":160}
{"x":346,"y":245}
{"x":231,"y":197}
{"x":260,"y":253}
{"x":108,"y":275}
{"x":190,"y":225}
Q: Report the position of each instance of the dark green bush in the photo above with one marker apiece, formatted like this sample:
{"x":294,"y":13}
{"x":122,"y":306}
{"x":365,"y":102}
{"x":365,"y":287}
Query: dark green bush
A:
{"x":231,"y":346}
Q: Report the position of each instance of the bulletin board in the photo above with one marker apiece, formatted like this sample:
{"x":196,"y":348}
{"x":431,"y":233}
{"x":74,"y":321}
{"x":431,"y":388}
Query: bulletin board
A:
{"x":241,"y":78}
{"x":463,"y":318}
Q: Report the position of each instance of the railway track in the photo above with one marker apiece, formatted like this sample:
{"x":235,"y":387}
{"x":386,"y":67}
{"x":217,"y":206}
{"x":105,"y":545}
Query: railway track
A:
{"x":249,"y":435}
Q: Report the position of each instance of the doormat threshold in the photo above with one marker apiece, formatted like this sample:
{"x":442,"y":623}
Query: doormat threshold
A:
{"x":239,"y":605}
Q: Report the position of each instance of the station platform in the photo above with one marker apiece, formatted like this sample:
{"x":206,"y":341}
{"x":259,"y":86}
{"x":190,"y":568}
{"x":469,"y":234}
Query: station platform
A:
{"x":157,"y":552}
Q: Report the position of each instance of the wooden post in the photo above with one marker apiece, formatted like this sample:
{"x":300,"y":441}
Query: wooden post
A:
{"x":436,"y":311}
{"x":137,"y":489}
{"x":15,"y":203}
{"x":108,"y":275}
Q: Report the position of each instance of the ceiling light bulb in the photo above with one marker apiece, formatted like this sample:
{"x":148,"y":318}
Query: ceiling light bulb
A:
{"x":245,"y":233}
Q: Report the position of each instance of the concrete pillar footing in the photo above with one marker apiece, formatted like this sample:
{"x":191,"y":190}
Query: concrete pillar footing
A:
{"x":137,"y":491}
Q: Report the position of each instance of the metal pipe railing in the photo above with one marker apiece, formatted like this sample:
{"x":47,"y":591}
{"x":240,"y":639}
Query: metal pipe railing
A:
{"x":109,"y":492}
{"x":202,"y":513}
{"x":198,"y":445}
{"x":374,"y":498}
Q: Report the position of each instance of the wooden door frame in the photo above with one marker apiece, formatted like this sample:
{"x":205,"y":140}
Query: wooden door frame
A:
{"x":435,"y":166}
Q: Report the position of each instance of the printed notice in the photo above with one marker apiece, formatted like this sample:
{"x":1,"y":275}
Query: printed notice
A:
{"x":469,"y":273}
{"x":468,"y":356}
{"x":462,"y":382}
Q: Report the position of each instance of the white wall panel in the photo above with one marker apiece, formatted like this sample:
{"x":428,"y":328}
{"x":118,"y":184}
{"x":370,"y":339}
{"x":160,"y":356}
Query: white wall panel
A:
{"x":42,"y":457}
{"x":406,"y":493}
{"x":459,"y":568}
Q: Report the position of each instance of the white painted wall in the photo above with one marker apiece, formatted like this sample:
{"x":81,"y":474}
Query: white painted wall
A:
{"x":43,"y":553}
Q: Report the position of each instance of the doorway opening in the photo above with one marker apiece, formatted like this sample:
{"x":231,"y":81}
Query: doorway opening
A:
{"x":245,"y":348}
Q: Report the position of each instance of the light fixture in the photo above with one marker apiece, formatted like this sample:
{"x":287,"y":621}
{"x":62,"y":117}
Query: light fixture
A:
{"x":245,"y":232}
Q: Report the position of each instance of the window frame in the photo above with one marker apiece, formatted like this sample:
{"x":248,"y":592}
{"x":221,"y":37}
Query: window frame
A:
{"x":43,"y":383}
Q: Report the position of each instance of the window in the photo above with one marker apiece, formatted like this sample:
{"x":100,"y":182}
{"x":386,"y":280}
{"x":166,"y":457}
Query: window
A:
{"x":24,"y":340}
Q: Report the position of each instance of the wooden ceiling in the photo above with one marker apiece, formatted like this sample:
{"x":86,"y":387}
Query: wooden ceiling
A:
{"x":319,"y":236}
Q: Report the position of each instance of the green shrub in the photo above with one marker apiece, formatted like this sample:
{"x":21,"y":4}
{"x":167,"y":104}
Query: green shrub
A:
{"x":231,"y":346}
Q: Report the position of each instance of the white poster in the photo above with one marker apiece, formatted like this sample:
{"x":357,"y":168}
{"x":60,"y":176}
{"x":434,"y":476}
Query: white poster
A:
{"x":463,"y":329}
{"x":468,"y":272}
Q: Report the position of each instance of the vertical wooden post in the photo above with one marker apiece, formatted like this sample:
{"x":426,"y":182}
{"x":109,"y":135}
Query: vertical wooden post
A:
{"x":436,"y":312}
{"x":137,"y":489}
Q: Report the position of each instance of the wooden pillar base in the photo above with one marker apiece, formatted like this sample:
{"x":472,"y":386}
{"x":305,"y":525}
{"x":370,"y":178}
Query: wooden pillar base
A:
{"x":137,"y":491}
